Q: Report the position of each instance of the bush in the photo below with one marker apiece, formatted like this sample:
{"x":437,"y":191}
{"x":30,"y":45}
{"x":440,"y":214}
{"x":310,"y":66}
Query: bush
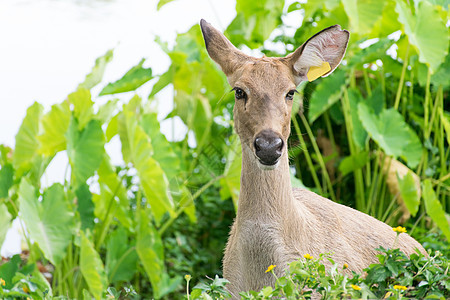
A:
{"x":395,"y":276}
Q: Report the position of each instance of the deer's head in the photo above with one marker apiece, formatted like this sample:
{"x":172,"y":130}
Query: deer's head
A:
{"x":264,"y":87}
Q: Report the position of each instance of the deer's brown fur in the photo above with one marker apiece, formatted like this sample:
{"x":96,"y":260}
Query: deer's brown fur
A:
{"x":275,"y":224}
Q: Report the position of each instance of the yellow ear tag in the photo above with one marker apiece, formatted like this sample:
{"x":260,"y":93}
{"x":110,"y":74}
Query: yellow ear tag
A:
{"x":316,"y":72}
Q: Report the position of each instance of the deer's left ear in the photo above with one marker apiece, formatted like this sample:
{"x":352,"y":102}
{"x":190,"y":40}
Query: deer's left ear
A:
{"x":319,"y":55}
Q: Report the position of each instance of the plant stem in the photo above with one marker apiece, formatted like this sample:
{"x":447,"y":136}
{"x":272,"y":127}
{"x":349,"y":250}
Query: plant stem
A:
{"x":402,"y":79}
{"x":359,"y":182}
{"x":319,"y":157}
{"x":307,"y":156}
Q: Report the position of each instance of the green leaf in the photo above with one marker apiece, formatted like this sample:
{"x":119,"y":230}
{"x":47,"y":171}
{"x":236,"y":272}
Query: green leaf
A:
{"x":96,"y":75}
{"x":163,"y":81}
{"x":54,"y":125}
{"x":85,"y":149}
{"x":363,"y":14}
{"x":121,"y":257}
{"x":161,"y":3}
{"x":434,"y":208}
{"x":409,"y":192}
{"x":91,"y":267}
{"x":113,"y":190}
{"x":133,"y":79}
{"x":445,"y":119}
{"x":85,"y":206}
{"x":50,"y":223}
{"x":5,"y":220}
{"x":106,"y":111}
{"x":8,"y":270}
{"x":353,"y":162}
{"x":151,"y":252}
{"x":297,"y":183}
{"x":6,"y":179}
{"x":328,"y":91}
{"x":82,"y":106}
{"x":426,"y":30}
{"x":153,"y":180}
{"x":359,"y":133}
{"x":371,"y":53}
{"x":255,"y":21}
{"x":164,"y":155}
{"x":391,"y":133}
{"x":231,"y":182}
{"x":26,"y":139}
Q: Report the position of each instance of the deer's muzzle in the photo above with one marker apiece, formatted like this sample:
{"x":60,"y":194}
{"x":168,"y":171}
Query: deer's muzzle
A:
{"x":268,"y":147}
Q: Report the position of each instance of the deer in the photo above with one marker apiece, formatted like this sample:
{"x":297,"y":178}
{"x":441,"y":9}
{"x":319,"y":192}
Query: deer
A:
{"x":275,"y":224}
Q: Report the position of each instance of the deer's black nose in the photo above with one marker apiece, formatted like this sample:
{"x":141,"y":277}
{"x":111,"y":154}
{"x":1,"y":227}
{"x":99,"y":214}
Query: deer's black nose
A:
{"x":268,"y":147}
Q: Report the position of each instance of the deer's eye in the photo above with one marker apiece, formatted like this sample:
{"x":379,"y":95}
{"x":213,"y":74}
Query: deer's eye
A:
{"x":240,"y":94}
{"x":290,"y":94}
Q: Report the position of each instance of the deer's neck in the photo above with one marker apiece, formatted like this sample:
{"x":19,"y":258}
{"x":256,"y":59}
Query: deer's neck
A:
{"x":265,"y":193}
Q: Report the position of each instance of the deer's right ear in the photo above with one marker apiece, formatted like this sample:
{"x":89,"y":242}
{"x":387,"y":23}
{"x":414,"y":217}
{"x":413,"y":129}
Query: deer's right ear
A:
{"x":221,"y":50}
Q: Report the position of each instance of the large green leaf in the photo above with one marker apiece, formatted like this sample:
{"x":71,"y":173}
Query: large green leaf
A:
{"x":49,"y":222}
{"x":121,"y":257}
{"x":133,"y":79}
{"x":6,"y":179}
{"x":328,"y":91}
{"x":85,"y":149}
{"x":371,"y":53}
{"x":5,"y":219}
{"x":434,"y":208}
{"x":112,"y":189}
{"x":426,"y":30}
{"x":139,"y":151}
{"x":54,"y":125}
{"x":354,"y":162}
{"x":150,"y":249}
{"x":255,"y":21}
{"x":363,"y":14}
{"x":388,"y":22}
{"x":231,"y":182}
{"x":359,"y":133}
{"x":164,"y":153}
{"x":26,"y":139}
{"x":85,"y":206}
{"x":409,"y":192}
{"x":91,"y":267}
{"x":82,"y":106}
{"x":163,"y":81}
{"x":161,"y":3}
{"x":96,"y":75}
{"x":392,"y":133}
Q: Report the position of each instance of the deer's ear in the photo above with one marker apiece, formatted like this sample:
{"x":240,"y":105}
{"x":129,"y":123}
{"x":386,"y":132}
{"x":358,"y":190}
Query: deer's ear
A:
{"x":319,"y":55}
{"x":221,"y":50}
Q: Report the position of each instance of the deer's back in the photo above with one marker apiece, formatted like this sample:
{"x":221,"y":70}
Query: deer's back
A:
{"x":350,"y":235}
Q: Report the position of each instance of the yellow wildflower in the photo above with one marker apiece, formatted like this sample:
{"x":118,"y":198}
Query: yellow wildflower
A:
{"x":400,"y":287}
{"x":307,"y":256}
{"x":345,"y":266}
{"x":2,"y":282}
{"x":25,"y":289}
{"x":187,"y":277}
{"x":355,"y":287}
{"x":270,"y":268}
{"x":399,"y":229}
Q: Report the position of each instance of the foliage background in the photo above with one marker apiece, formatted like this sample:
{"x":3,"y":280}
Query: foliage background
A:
{"x":375,"y":136}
